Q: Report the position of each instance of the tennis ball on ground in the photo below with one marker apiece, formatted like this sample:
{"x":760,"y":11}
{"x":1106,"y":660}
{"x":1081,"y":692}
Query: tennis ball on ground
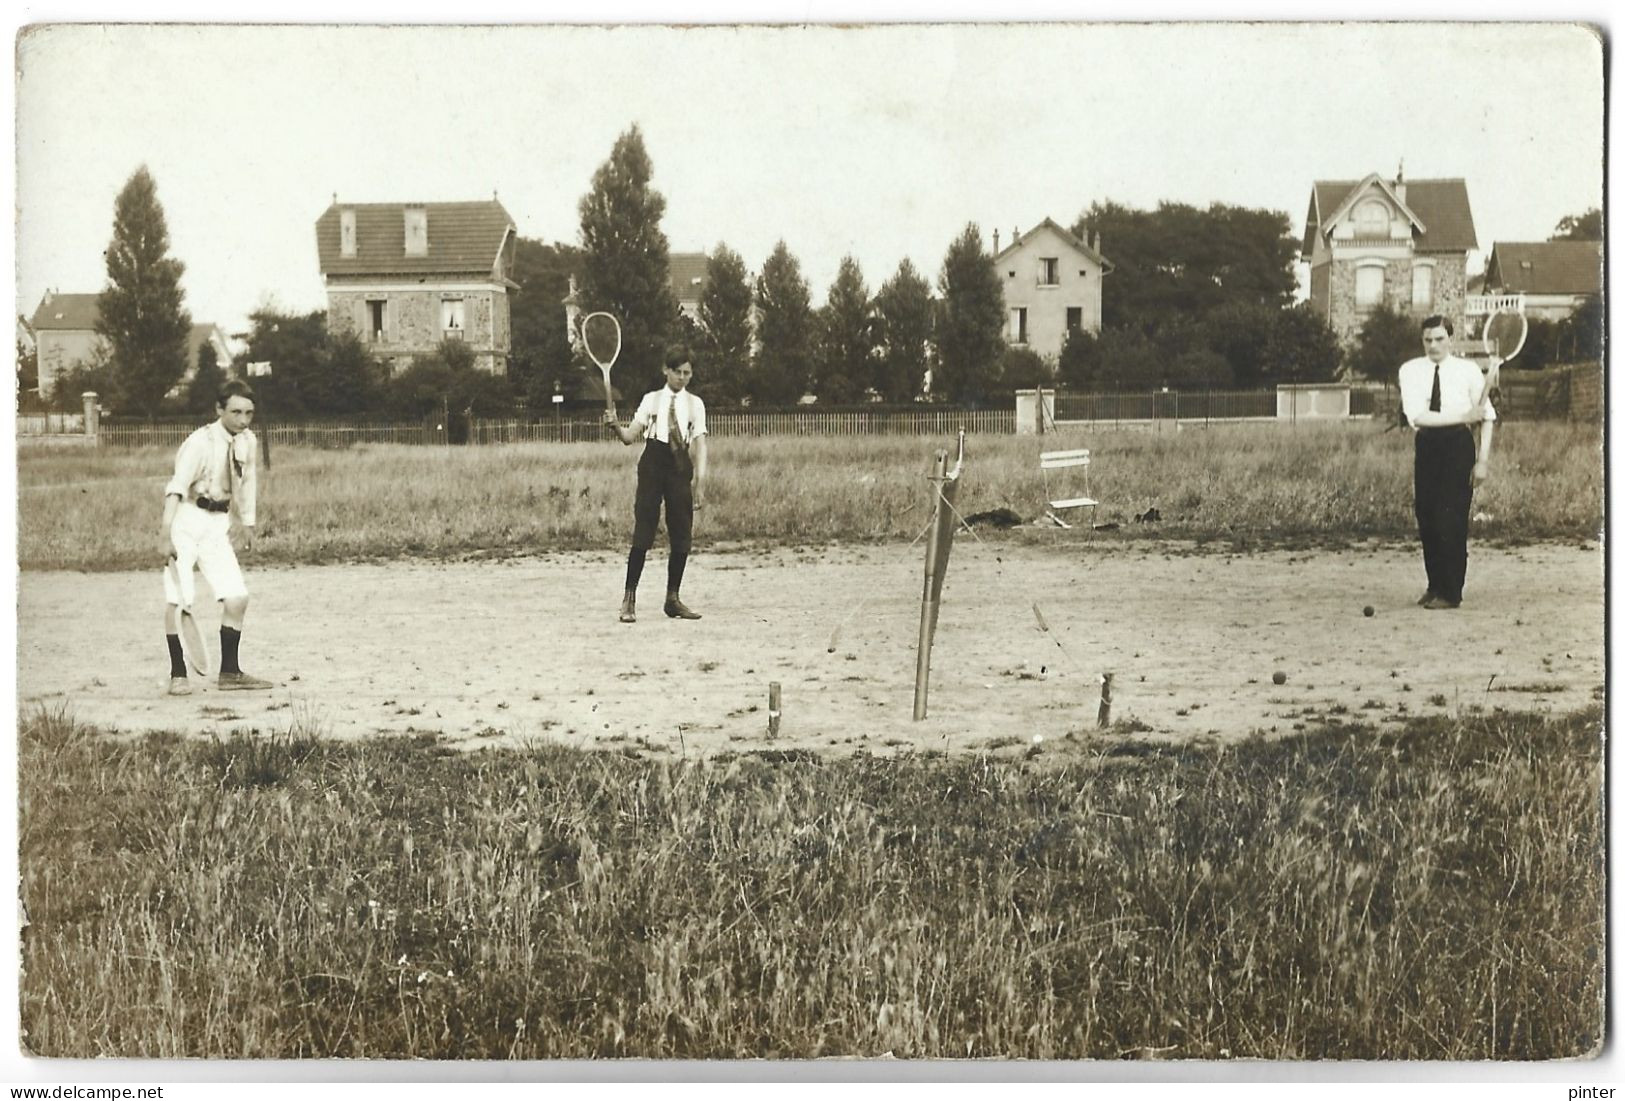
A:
{"x":1370,"y":611}
{"x":1278,"y":677}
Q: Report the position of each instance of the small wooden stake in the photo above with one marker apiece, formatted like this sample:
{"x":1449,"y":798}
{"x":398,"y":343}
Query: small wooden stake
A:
{"x":773,"y":710}
{"x":1104,"y":717}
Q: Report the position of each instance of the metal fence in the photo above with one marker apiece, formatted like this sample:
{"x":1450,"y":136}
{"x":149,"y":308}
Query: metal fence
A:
{"x":1127,"y":410}
{"x":925,"y":422}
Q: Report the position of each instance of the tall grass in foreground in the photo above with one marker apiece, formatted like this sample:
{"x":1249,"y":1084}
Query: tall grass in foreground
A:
{"x":1428,"y":892}
{"x":1239,"y":483}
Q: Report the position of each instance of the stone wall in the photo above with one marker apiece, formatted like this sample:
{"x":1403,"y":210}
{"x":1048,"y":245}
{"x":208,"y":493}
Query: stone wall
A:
{"x":412,"y":323}
{"x":1449,"y":292}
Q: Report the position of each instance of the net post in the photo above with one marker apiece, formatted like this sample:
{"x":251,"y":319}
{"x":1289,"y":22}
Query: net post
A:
{"x":932,"y":587}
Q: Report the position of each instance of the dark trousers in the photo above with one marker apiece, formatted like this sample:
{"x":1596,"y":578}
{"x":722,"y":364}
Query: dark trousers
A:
{"x":662,"y":478}
{"x":1444,"y":502}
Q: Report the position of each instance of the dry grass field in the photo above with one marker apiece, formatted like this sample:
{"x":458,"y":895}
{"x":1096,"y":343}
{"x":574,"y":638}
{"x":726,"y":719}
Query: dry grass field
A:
{"x":480,"y":819}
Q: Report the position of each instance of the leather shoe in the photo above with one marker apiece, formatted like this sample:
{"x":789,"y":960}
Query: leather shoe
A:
{"x":629,"y":608}
{"x":1422,"y":601}
{"x":180,"y":686}
{"x":1434,"y":603}
{"x":676,"y":609}
{"x":242,"y":682}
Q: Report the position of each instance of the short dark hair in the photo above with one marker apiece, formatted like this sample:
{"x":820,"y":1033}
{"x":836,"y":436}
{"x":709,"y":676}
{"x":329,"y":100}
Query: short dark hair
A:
{"x":233,"y":388}
{"x":1438,"y":321}
{"x":677,"y":355}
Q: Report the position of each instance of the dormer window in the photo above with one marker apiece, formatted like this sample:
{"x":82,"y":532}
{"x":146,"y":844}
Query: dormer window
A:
{"x":417,"y":232}
{"x":1371,"y":219}
{"x":347,"y":234}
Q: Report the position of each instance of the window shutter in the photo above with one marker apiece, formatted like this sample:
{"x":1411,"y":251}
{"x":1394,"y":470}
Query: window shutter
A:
{"x":359,"y":312}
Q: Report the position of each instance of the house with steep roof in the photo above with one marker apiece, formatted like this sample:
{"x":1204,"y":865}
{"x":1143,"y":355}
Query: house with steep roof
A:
{"x":688,"y":281}
{"x":1397,"y":243}
{"x":405,"y":276}
{"x":1052,"y":286}
{"x":65,"y":334}
{"x":1551,"y":278}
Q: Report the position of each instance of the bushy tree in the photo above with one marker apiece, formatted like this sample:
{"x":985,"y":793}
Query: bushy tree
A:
{"x":446,"y":381}
{"x":1023,"y":369}
{"x":784,"y":331}
{"x":1181,"y":262}
{"x":904,"y":317}
{"x":1386,"y":340}
{"x":1583,"y":332}
{"x":626,"y":261}
{"x":140,"y":311}
{"x":542,"y":361}
{"x":27,"y":371}
{"x":204,"y":388}
{"x":1114,"y":359}
{"x":844,"y":368}
{"x":970,"y":326}
{"x":1586,"y":226}
{"x":1300,"y":347}
{"x":724,"y":340}
{"x":92,"y":374}
{"x":313,"y":373}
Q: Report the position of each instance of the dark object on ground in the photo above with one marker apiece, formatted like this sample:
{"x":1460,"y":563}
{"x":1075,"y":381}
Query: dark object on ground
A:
{"x":1109,"y":525}
{"x":1279,"y":677}
{"x":1149,"y":516}
{"x":998,"y":517}
{"x":1370,"y":611}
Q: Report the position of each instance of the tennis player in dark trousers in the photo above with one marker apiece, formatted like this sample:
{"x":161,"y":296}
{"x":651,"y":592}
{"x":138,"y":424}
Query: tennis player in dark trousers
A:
{"x":1443,"y":396}
{"x":671,"y":423}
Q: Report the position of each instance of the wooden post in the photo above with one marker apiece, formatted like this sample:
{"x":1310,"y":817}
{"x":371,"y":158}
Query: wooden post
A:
{"x":1103,"y":718}
{"x":944,"y":488}
{"x":773,"y":709}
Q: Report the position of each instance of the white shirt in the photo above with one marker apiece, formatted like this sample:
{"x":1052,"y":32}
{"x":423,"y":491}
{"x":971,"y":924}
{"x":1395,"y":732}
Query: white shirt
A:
{"x":653,"y":408}
{"x":1461,"y":384}
{"x":215,"y":464}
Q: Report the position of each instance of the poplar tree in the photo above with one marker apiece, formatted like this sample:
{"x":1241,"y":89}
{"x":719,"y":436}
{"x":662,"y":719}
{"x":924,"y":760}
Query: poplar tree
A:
{"x":140,"y":310}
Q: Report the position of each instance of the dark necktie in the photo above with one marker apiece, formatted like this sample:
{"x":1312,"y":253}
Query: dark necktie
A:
{"x":1433,"y":399}
{"x":674,"y":433}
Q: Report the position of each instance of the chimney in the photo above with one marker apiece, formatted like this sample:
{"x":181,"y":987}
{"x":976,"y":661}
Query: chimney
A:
{"x":995,"y":242}
{"x":1015,"y":234}
{"x":1399,"y":182}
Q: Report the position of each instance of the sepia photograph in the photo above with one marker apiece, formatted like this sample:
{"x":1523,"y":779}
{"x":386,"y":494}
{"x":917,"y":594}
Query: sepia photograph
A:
{"x":957,"y":542}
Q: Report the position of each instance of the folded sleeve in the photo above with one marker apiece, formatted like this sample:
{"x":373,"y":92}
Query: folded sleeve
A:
{"x":190,"y":461}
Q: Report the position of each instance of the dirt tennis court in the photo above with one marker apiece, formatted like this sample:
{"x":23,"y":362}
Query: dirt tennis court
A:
{"x":507,"y":651}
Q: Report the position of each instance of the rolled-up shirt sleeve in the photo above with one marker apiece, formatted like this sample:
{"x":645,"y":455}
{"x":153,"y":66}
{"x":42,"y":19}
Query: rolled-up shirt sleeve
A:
{"x":696,"y":420}
{"x":191,"y":463}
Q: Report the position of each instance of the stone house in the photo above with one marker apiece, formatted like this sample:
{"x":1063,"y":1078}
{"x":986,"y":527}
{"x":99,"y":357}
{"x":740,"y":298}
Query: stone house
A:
{"x":1052,"y":286}
{"x":406,"y":276}
{"x":1395,"y":243}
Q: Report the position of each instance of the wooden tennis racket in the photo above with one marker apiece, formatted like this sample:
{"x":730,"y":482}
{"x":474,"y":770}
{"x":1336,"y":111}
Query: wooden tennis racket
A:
{"x":197,"y":654}
{"x":601,"y":337}
{"x":1504,"y":336}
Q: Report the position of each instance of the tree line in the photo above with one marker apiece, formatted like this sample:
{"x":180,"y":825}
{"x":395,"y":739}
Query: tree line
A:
{"x":1197,"y":298}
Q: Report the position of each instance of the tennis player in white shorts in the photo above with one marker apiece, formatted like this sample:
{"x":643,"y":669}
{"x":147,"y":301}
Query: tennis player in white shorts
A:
{"x":214,"y":473}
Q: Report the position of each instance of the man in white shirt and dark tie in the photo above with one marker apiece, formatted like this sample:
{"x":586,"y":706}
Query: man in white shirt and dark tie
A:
{"x":1443,"y":396}
{"x":214,"y":475}
{"x":671,"y":423}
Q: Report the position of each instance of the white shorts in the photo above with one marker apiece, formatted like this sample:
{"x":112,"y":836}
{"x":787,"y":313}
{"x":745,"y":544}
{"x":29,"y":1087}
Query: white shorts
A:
{"x":202,"y":542}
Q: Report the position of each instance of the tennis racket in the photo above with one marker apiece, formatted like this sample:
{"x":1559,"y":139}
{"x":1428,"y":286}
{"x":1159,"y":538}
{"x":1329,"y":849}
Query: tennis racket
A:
{"x":197,"y":654}
{"x":1504,"y":334}
{"x":601,"y":337}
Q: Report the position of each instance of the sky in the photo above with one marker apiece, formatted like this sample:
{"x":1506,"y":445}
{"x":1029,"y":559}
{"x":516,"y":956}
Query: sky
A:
{"x":880,"y":142}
